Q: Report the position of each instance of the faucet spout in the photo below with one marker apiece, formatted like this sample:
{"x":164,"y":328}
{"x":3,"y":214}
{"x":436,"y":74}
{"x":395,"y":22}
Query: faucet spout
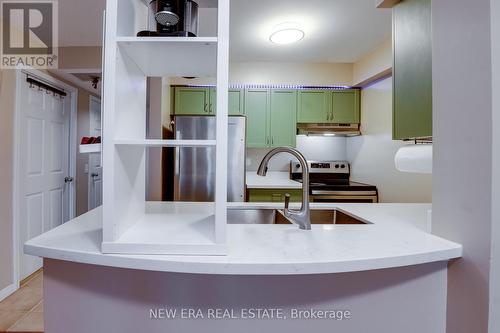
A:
{"x":300,"y":217}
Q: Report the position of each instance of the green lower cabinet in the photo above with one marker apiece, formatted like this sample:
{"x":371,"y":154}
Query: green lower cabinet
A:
{"x":346,"y":106}
{"x":314,"y":106}
{"x":273,"y":195}
{"x":257,"y":106}
{"x":191,"y":101}
{"x":283,"y":118}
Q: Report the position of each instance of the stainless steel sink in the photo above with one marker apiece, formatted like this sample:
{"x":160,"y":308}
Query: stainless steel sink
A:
{"x":275,"y":216}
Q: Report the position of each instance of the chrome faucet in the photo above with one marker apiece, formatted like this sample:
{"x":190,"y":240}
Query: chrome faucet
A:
{"x":300,"y":217}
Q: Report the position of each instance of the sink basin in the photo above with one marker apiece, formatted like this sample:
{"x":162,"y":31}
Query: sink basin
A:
{"x":275,"y":216}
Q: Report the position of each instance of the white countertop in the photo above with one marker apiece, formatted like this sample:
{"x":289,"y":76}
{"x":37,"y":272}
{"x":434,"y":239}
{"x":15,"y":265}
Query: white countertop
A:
{"x":396,"y":238}
{"x":273,"y":179}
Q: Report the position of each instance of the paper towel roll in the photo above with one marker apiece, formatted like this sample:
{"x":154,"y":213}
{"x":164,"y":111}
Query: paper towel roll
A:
{"x":414,"y":158}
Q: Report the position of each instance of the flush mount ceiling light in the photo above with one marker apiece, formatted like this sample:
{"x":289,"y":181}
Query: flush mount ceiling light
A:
{"x":286,"y":33}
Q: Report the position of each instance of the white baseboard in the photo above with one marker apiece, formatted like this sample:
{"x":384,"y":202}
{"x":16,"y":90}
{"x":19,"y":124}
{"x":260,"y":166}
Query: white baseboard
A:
{"x":7,"y":291}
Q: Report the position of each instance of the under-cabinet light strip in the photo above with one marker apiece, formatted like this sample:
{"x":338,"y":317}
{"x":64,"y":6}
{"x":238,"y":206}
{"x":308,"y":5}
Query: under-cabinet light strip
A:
{"x":267,"y":86}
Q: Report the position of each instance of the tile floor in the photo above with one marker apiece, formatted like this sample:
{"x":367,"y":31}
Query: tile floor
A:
{"x":23,"y":310}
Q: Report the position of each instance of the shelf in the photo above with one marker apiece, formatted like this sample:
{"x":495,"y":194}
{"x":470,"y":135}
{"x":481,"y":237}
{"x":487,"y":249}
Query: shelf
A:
{"x":168,"y":228}
{"x":201,"y":3}
{"x":90,"y":149}
{"x":172,"y":56}
{"x":166,"y":143}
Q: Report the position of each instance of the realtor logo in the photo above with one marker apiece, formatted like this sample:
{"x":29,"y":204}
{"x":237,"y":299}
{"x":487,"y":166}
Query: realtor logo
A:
{"x":29,"y":34}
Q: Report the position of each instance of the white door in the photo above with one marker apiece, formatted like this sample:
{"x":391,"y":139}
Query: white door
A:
{"x":44,"y":167}
{"x":95,"y":168}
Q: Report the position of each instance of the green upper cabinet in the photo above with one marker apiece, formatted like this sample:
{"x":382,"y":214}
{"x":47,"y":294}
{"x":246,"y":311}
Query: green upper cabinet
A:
{"x":345,"y":106}
{"x":412,"y":69}
{"x":236,"y":102}
{"x":271,"y":117}
{"x":314,"y":106}
{"x":328,"y":106}
{"x":257,"y":109}
{"x":212,"y":103}
{"x":203,"y":101}
{"x":283,"y":118}
{"x":191,"y":101}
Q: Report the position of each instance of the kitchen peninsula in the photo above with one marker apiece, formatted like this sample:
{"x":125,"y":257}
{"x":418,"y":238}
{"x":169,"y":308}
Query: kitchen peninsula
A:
{"x":386,"y":262}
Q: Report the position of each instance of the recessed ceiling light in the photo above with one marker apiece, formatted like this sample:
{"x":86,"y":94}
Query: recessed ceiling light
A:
{"x":286,"y":33}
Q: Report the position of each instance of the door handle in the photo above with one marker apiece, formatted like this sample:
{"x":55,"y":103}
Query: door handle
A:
{"x":68,"y":179}
{"x":94,"y":175}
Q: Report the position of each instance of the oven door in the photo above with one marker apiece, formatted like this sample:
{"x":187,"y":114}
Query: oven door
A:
{"x":344,"y":196}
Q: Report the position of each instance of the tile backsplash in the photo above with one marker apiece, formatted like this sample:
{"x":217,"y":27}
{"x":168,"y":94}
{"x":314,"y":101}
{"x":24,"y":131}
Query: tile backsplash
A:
{"x":312,"y":147}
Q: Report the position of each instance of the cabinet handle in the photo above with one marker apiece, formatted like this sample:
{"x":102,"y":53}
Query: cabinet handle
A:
{"x":267,"y":140}
{"x":210,"y":108}
{"x":272,"y":140}
{"x":205,"y":108}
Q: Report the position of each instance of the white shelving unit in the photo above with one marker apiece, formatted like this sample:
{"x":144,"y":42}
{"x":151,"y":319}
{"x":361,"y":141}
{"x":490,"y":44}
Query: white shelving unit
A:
{"x":130,"y":224}
{"x":94,"y":148}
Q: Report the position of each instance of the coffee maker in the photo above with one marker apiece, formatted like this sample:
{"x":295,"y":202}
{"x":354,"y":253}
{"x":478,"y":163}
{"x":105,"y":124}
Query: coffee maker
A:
{"x":172,"y":18}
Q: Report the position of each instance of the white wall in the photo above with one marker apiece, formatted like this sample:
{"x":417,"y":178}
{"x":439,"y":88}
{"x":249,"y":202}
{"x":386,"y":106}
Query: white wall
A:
{"x":462,"y":121}
{"x":313,"y":148}
{"x":494,"y":317}
{"x":372,"y":154}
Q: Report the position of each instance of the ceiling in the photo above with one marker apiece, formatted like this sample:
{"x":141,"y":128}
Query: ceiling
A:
{"x":336,"y":30}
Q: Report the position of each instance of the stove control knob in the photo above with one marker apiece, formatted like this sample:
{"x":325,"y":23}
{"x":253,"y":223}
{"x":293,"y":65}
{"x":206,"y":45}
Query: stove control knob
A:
{"x":343,"y":166}
{"x":297,"y":165}
{"x":336,"y":166}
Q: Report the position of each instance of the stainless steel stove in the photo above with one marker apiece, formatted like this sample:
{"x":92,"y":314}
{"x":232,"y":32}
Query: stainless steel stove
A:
{"x":329,"y":181}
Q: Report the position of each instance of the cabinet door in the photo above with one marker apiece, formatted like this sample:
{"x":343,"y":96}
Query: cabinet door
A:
{"x":191,"y":101}
{"x":212,"y":103}
{"x":345,"y":106}
{"x":273,"y":195}
{"x":412,"y":69}
{"x":283,"y":118}
{"x":236,"y":102}
{"x":314,"y":106}
{"x":257,"y":106}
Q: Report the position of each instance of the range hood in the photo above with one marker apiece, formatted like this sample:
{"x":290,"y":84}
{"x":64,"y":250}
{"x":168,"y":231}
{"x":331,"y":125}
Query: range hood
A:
{"x":328,"y":129}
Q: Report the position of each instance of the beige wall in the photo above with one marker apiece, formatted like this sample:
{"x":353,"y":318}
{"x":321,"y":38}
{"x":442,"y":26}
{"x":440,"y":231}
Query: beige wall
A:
{"x":282,"y":73}
{"x":7,"y":105}
{"x":463,"y":201}
{"x":375,"y":62}
{"x":494,"y":318}
{"x":83,"y":128}
{"x":80,"y":57}
{"x":372,"y":154}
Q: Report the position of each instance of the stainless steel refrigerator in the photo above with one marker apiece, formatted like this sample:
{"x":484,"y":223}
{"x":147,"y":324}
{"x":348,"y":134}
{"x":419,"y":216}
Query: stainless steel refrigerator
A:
{"x":194,"y":168}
